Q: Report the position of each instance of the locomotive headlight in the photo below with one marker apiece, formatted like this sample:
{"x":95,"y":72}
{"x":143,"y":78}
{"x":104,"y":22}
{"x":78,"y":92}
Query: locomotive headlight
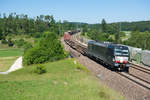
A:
{"x":117,"y":58}
{"x":113,"y":59}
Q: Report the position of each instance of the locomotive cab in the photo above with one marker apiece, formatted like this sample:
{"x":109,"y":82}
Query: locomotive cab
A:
{"x":121,"y":57}
{"x":114,"y":55}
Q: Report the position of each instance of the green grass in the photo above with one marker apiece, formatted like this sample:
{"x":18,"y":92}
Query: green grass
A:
{"x":7,"y":57}
{"x":4,"y":46}
{"x":25,"y":37}
{"x":6,"y":62}
{"x":10,"y":52}
{"x":64,"y":80}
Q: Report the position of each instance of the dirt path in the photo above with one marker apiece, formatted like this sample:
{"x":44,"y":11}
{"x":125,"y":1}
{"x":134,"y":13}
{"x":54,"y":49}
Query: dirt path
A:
{"x":17,"y":65}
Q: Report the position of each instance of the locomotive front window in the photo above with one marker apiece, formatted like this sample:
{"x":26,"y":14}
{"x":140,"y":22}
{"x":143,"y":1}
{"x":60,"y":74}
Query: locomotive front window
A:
{"x":125,"y":52}
{"x":120,"y":52}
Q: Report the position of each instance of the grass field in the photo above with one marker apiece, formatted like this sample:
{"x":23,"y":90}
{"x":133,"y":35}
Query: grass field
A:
{"x":64,"y":80}
{"x":4,"y":46}
{"x":10,"y":52}
{"x":6,"y":62}
{"x":8,"y":57}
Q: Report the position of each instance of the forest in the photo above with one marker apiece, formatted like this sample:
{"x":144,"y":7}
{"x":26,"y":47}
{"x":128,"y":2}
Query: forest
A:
{"x":128,"y":33}
{"x":22,"y":24}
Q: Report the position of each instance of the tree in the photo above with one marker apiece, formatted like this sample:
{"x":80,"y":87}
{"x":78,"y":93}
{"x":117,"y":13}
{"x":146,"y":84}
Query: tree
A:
{"x":104,"y":26}
{"x":112,"y":28}
{"x":10,"y":42}
{"x":136,"y":28}
{"x":4,"y":41}
{"x":22,"y":24}
{"x":48,"y":49}
{"x":1,"y":35}
{"x":139,"y":40}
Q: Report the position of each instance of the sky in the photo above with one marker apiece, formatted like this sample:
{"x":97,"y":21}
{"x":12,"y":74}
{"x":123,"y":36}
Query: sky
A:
{"x":88,"y":11}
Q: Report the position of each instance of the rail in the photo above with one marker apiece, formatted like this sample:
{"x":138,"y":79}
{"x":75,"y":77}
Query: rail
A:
{"x":136,"y":79}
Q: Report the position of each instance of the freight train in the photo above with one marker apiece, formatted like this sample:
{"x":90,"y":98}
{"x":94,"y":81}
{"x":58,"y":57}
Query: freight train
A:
{"x":116,"y":56}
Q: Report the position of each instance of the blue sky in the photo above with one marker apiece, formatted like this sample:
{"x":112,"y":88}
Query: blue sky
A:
{"x":90,"y":11}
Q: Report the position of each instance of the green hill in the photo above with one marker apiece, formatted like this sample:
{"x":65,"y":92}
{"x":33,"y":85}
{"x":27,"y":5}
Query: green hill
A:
{"x":64,"y":80}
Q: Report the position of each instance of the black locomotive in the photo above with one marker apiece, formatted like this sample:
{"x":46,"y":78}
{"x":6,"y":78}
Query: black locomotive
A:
{"x":114,"y":55}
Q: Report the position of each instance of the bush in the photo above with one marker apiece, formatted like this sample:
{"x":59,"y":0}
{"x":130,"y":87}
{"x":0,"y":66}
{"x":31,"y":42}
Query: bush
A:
{"x":4,"y":41}
{"x":34,"y":55}
{"x":10,"y":42}
{"x":49,"y":48}
{"x":1,"y":36}
{"x":24,"y":44}
{"x":27,"y":36}
{"x":37,"y":35}
{"x":19,"y":43}
{"x":40,"y":69}
{"x":27,"y":46}
{"x":81,"y":68}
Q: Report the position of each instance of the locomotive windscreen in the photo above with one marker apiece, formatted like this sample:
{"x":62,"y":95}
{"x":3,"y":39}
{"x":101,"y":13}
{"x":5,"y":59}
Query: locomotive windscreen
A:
{"x":121,"y":51}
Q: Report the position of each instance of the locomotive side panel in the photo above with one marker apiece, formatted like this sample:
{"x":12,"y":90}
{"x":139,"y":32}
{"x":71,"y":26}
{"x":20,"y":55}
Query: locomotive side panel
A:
{"x":97,"y":51}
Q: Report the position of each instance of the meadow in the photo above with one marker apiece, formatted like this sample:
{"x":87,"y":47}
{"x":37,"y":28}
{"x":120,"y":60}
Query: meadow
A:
{"x":63,"y":80}
{"x":8,"y":57}
{"x":10,"y":52}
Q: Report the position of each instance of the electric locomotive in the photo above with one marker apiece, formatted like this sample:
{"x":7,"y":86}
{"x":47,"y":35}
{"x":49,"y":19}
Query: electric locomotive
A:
{"x":114,"y":55}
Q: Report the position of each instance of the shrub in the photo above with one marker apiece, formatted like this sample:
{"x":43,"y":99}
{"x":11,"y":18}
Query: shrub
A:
{"x":104,"y":95}
{"x":27,"y":46}
{"x":4,"y":41}
{"x":19,"y":43}
{"x":40,"y":69}
{"x":81,"y":68}
{"x":10,"y":42}
{"x":34,"y":55}
{"x":27,"y":36}
{"x":1,"y":35}
{"x":37,"y":35}
{"x":49,"y":48}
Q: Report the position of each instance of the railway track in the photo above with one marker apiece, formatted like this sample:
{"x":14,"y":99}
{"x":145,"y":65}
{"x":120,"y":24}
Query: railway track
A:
{"x":141,"y":68}
{"x":141,"y":75}
{"x":133,"y":77}
{"x":136,"y":80}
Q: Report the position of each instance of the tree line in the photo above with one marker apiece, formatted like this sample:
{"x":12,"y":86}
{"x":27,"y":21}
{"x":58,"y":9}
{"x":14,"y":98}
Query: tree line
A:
{"x":113,"y":32}
{"x":22,"y":24}
{"x":15,"y":24}
{"x":112,"y":27}
{"x":138,"y":37}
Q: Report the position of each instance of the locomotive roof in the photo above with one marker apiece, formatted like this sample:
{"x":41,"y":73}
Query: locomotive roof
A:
{"x":106,"y":44}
